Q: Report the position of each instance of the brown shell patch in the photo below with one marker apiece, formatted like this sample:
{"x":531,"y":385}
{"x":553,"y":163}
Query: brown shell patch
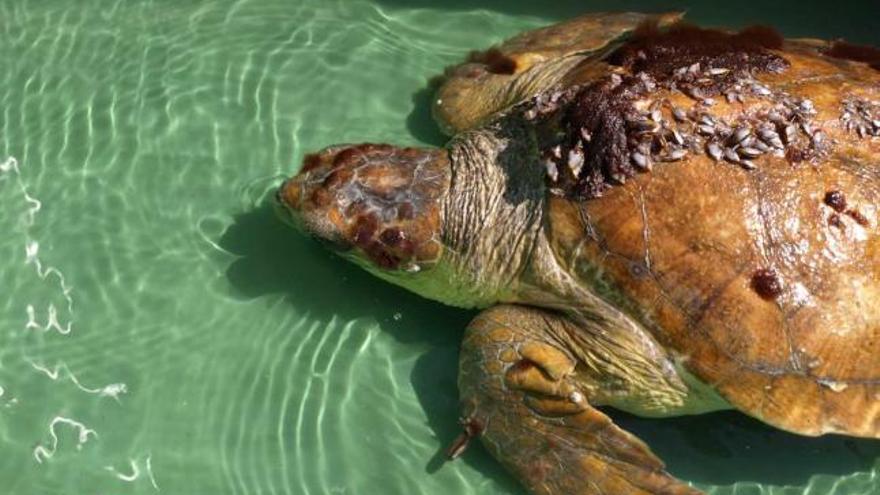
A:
{"x":662,"y":54}
{"x":596,"y":135}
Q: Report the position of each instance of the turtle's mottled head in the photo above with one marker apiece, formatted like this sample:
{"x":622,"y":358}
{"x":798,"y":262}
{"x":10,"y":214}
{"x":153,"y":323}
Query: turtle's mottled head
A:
{"x":376,"y":204}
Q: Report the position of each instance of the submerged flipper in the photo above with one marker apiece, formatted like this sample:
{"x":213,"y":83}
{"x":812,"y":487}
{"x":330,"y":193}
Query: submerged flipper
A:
{"x":520,"y":397}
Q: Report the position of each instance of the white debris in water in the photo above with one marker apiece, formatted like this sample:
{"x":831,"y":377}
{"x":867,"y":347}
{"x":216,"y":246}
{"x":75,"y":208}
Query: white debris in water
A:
{"x":113,"y":390}
{"x":10,"y":170}
{"x":52,"y":374}
{"x":52,"y":322}
{"x":32,"y":249}
{"x":150,"y":472}
{"x":32,"y":320}
{"x":135,"y":471}
{"x":397,"y":316}
{"x":42,"y":453}
{"x":11,"y":166}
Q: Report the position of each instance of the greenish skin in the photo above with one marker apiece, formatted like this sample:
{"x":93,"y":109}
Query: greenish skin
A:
{"x":473,"y":225}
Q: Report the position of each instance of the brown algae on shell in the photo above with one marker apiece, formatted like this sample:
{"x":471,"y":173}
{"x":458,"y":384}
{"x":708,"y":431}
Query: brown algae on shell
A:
{"x":601,"y":133}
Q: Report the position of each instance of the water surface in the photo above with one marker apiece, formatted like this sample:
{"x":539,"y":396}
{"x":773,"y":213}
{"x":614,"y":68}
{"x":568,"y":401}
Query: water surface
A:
{"x":162,"y":332}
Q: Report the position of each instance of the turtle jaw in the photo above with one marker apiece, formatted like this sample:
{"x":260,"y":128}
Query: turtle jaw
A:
{"x":377,"y":204}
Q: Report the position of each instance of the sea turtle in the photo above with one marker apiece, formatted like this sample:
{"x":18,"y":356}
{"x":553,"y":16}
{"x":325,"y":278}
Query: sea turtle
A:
{"x":654,"y":216}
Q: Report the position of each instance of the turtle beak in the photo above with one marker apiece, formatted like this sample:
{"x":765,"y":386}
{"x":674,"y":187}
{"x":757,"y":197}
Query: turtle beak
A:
{"x":294,"y":208}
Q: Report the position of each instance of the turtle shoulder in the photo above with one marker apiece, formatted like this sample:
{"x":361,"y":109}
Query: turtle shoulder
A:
{"x":492,"y":80}
{"x":745,"y":235}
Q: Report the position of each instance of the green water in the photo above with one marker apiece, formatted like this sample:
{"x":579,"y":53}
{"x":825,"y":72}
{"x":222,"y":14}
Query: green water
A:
{"x":162,"y":332}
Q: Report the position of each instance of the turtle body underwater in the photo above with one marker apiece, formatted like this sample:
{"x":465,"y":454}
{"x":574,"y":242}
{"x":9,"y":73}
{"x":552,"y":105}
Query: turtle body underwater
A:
{"x":653,"y":216}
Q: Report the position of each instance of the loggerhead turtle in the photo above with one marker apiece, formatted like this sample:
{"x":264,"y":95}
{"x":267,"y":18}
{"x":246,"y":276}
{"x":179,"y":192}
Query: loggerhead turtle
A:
{"x":656,"y":217}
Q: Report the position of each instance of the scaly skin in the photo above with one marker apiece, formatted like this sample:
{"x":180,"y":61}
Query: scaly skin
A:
{"x":521,"y":387}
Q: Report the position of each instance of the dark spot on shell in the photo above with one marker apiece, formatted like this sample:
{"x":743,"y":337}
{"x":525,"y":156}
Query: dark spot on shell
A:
{"x":364,"y":229}
{"x":835,"y":221}
{"x":767,"y":284}
{"x":495,"y":61}
{"x":310,"y":162}
{"x":836,"y":200}
{"x":405,"y":211}
{"x":857,"y":53}
{"x":381,"y":257}
{"x":391,"y":236}
{"x":858,"y":217}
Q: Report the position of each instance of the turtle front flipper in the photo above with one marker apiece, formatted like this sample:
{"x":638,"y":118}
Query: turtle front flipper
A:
{"x":531,"y":62}
{"x":522,"y":393}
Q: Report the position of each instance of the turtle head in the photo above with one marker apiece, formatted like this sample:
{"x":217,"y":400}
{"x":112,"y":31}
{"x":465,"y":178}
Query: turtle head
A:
{"x":454,"y":225}
{"x":375,"y":204}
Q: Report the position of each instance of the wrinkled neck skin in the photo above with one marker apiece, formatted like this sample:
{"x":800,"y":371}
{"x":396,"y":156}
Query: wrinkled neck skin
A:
{"x":493,"y":214}
{"x":495,"y":231}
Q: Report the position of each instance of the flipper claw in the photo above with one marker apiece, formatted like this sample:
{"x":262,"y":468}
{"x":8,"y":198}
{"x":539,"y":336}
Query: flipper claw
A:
{"x":471,"y":428}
